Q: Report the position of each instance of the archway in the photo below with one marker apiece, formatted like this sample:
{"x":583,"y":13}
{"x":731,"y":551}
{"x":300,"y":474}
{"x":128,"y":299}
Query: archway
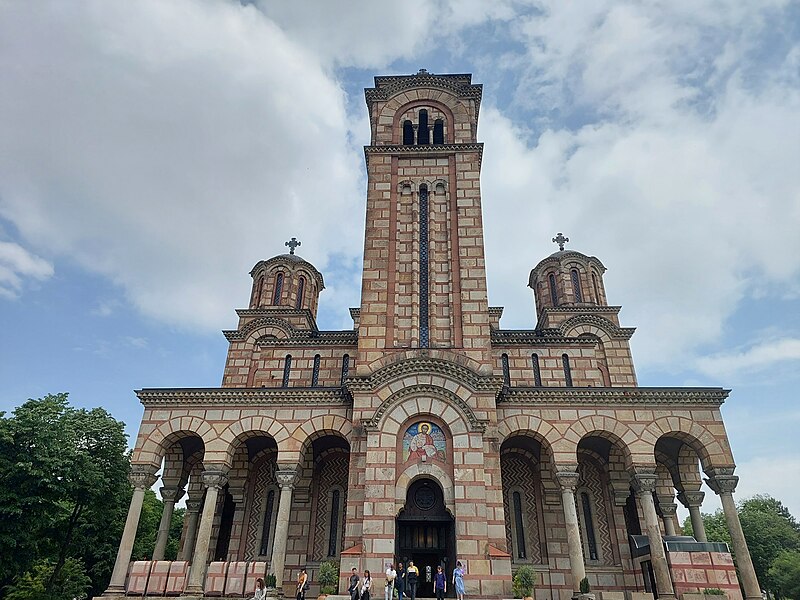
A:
{"x":426,"y":534}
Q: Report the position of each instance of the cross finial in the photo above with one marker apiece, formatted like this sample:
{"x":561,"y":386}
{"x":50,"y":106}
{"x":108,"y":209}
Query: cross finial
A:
{"x":293,"y":243}
{"x":559,"y":239}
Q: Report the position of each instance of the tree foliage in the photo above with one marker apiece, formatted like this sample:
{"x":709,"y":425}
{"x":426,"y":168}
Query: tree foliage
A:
{"x":785,"y":574}
{"x":70,"y":583}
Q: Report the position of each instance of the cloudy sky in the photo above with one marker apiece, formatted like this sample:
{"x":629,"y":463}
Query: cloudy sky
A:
{"x":152,"y":152}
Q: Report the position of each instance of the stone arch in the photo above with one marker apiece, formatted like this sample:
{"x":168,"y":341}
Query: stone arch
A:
{"x":243,"y":429}
{"x":266,"y":326}
{"x":531,"y":426}
{"x":713,"y":452}
{"x":317,"y":427}
{"x":396,"y":110}
{"x":416,"y":399}
{"x":600,"y":327}
{"x":616,"y":432}
{"x":151,"y":447}
{"x":429,"y":360}
{"x":417,"y":471}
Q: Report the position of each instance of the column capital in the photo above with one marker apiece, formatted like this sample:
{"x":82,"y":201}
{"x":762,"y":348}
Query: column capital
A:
{"x":142,"y":476}
{"x":690,"y":499}
{"x":723,"y":484}
{"x":171,"y":494}
{"x":215,"y":478}
{"x":568,"y":480}
{"x":287,"y":477}
{"x":193,"y":506}
{"x":667,"y":505}
{"x":644,"y":482}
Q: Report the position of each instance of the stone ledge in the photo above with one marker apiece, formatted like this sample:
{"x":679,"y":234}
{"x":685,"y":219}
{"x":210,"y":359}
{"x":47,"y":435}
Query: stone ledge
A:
{"x":636,"y":396}
{"x":283,"y":396}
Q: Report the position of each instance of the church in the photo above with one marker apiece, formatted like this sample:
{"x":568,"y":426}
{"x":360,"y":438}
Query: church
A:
{"x":427,"y":431}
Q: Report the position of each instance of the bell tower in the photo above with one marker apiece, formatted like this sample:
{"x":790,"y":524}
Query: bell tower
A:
{"x":424,"y":279}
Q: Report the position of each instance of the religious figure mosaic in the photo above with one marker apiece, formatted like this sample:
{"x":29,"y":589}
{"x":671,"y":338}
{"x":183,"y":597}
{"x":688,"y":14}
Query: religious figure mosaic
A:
{"x":424,"y":441}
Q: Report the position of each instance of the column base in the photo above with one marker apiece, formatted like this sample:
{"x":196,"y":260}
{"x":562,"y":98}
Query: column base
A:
{"x":193,"y":590}
{"x":115,"y":590}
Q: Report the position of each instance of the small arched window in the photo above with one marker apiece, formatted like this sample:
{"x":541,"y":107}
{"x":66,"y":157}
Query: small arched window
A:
{"x":266,"y":528}
{"x":423,"y":133}
{"x":315,"y":371}
{"x":287,"y":370}
{"x":333,"y":529}
{"x":595,"y":288}
{"x":257,"y":292}
{"x":345,"y":367}
{"x":276,"y":297}
{"x":438,"y":132}
{"x":301,"y":288}
{"x":537,"y":372}
{"x":576,"y":285}
{"x":519,"y":526}
{"x":506,"y":371}
{"x":588,"y":526}
{"x":408,"y":133}
{"x":551,"y":279}
{"x":567,"y":370}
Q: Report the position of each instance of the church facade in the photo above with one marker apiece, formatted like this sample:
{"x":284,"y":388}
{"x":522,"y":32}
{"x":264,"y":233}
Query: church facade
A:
{"x":427,"y":432}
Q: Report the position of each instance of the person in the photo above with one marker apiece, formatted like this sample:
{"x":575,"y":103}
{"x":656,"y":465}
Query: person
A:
{"x":440,"y":583}
{"x":458,"y":580}
{"x":400,"y":581}
{"x":366,"y":585}
{"x":302,"y":585}
{"x":422,"y":445}
{"x":391,"y":576}
{"x":261,"y":590}
{"x":412,"y":574}
{"x":353,"y":587}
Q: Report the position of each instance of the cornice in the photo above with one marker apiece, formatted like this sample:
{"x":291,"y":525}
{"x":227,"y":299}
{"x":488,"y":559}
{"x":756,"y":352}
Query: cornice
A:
{"x":422,"y":366}
{"x":302,"y":396}
{"x":459,"y":84}
{"x":295,"y":337}
{"x":564,"y":256}
{"x":347,"y":338}
{"x":427,"y":150}
{"x":537,"y":337}
{"x":630,"y":396}
{"x":584,"y":308}
{"x":613,"y":330}
{"x":293,"y":261}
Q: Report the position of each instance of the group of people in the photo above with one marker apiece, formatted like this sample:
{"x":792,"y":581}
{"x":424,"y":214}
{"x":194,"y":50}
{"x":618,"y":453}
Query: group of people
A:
{"x":404,"y":580}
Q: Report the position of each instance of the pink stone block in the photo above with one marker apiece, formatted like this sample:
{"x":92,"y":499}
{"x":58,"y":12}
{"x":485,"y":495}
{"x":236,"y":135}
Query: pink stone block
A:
{"x":234,"y":582}
{"x":255,"y":569}
{"x":159,"y":572}
{"x":215,"y":578}
{"x":137,"y":578}
{"x":721,"y":558}
{"x":701,"y":558}
{"x":696,"y":576}
{"x":678,"y":575}
{"x":679,"y":558}
{"x":176,"y":581}
{"x":716,"y":576}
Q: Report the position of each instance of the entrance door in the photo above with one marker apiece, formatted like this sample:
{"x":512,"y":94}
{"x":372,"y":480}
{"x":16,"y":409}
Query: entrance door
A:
{"x":426,"y":534}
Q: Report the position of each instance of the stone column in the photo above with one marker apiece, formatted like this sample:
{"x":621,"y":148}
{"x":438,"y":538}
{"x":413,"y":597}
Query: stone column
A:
{"x":645,"y":484}
{"x":142,"y":478}
{"x":693,"y":501}
{"x":169,"y":495}
{"x":723,"y":485}
{"x":192,"y":515}
{"x":568,"y":480}
{"x":287,"y":478}
{"x":668,"y":510}
{"x":214,"y":482}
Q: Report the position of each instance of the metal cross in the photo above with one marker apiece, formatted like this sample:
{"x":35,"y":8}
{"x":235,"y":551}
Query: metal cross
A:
{"x":293,"y":243}
{"x":559,"y":239}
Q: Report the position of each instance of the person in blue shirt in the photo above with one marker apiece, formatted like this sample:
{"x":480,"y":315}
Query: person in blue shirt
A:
{"x":440,"y":583}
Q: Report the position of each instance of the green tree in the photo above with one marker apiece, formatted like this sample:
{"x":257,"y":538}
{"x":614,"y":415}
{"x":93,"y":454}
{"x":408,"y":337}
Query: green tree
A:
{"x":71,"y":583}
{"x":63,"y":490}
{"x":785,"y":574}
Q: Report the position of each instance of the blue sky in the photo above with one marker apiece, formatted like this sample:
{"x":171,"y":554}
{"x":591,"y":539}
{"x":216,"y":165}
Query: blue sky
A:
{"x":151,"y":153}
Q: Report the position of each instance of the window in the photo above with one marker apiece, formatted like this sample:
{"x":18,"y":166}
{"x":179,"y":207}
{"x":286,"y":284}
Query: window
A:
{"x":596,"y":289}
{"x":345,"y":367}
{"x":438,"y":132}
{"x":408,"y":133}
{"x":287,"y":369}
{"x":315,"y":372}
{"x":424,"y":339}
{"x":588,"y":526}
{"x":576,"y":285}
{"x":553,"y":294}
{"x":333,"y":530}
{"x":257,"y":292}
{"x":423,"y":133}
{"x":301,"y":288}
{"x":506,"y":372}
{"x":276,"y":297}
{"x":519,"y":525}
{"x":567,"y":370}
{"x":267,"y":526}
{"x":537,"y":373}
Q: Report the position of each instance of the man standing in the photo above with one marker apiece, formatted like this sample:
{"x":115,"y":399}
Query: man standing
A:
{"x":353,"y":587}
{"x":391,"y":575}
{"x":412,"y":574}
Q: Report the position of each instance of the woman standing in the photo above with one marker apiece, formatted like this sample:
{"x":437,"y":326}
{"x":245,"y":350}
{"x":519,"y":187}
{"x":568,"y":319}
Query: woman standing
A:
{"x":261,"y":590}
{"x":440,"y":583}
{"x":366,"y":585}
{"x":302,"y":580}
{"x":458,"y":580}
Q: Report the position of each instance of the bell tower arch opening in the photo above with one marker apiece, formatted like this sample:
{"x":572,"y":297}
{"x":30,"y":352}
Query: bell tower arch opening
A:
{"x":426,"y":534}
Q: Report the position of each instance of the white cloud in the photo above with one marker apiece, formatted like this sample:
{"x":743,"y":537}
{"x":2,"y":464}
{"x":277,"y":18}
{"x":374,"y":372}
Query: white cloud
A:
{"x":777,"y":476}
{"x":761,"y":356}
{"x":18,"y":264}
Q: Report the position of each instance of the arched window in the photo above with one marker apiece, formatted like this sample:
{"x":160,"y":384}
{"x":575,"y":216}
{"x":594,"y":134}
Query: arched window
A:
{"x":537,"y":373}
{"x":576,"y":285}
{"x":423,"y":133}
{"x":266,"y":528}
{"x":424,"y":339}
{"x":553,"y":293}
{"x":506,"y":372}
{"x":588,"y":526}
{"x":596,"y":289}
{"x":333,"y":529}
{"x":287,"y":369}
{"x":345,"y":367}
{"x":315,"y":371}
{"x":257,"y":292}
{"x":276,"y":297}
{"x":519,"y":525}
{"x":301,"y":288}
{"x":438,"y":132}
{"x":567,"y":370}
{"x":408,"y":133}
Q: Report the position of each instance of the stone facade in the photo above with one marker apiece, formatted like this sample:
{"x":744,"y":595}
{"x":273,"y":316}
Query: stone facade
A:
{"x":428,"y":432}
